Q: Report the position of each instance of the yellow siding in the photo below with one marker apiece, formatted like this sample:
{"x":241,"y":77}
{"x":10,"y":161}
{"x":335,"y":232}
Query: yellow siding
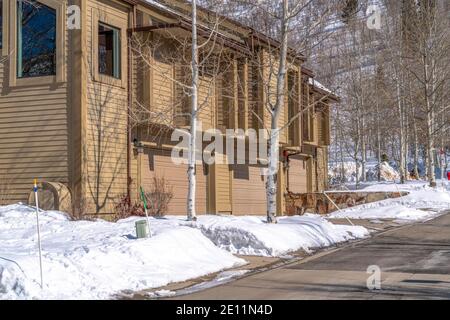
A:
{"x":319,"y":123}
{"x":248,"y":190}
{"x":223,"y":194}
{"x":106,"y":147}
{"x":322,"y":169}
{"x":225,"y":110}
{"x":33,"y":135}
{"x":297,"y":178}
{"x":162,"y":91}
{"x":158,"y":163}
{"x":254,"y":94}
{"x":206,"y":102}
{"x":270,"y":74}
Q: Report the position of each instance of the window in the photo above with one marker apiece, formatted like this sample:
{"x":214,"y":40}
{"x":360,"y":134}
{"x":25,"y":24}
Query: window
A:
{"x":36,"y":40}
{"x":306,"y":115}
{"x":292,"y":108}
{"x":1,"y":24}
{"x":109,"y":51}
{"x":4,"y":11}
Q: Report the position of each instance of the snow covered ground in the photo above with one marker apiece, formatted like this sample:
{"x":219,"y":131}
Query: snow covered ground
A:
{"x":252,"y":236}
{"x":421,"y":203}
{"x":97,"y":259}
{"x":92,"y":260}
{"x":387,"y":171}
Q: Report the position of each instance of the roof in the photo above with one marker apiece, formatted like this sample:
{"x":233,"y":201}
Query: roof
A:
{"x":251,"y":33}
{"x":159,"y":5}
{"x":321,"y":89}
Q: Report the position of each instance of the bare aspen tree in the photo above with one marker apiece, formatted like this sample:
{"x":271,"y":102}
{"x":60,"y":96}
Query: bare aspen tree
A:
{"x":190,"y":56}
{"x":283,"y":24}
{"x":193,"y":118}
{"x":428,"y":63}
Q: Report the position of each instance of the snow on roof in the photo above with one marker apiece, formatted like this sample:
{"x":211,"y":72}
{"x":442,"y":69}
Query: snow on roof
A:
{"x":184,"y":16}
{"x":162,"y":6}
{"x":317,"y":84}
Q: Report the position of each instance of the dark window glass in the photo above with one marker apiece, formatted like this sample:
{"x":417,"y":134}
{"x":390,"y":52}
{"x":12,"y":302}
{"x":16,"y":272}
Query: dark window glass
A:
{"x":1,"y":24}
{"x":108,"y":51}
{"x":36,"y":40}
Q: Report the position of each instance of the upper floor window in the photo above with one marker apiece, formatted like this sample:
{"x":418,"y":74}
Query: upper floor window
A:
{"x":36,"y":39}
{"x":109,"y":51}
{"x":1,"y":24}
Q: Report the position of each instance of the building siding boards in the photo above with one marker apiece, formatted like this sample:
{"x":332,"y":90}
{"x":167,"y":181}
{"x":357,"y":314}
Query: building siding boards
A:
{"x":106,"y":147}
{"x":249,"y":195}
{"x":158,"y":163}
{"x":297,"y":178}
{"x":37,"y":140}
{"x":223,"y":188}
{"x":321,"y":169}
{"x":207,"y":102}
{"x":33,"y":133}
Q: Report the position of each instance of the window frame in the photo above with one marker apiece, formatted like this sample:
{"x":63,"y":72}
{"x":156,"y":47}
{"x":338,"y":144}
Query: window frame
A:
{"x":101,"y":17}
{"x":59,"y":77}
{"x":5,"y":19}
{"x":116,"y":59}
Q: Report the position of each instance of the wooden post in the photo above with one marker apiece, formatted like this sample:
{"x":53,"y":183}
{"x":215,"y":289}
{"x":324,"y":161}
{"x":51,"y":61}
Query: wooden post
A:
{"x":245,"y":93}
{"x":235,"y":119}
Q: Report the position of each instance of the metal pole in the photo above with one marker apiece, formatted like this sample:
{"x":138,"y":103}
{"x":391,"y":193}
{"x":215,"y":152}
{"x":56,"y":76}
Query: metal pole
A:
{"x":144,"y":200}
{"x":36,"y":199}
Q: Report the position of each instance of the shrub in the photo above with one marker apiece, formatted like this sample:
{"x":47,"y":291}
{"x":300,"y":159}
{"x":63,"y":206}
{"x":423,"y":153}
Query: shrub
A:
{"x":125,"y":208}
{"x":159,"y":197}
{"x":5,"y":188}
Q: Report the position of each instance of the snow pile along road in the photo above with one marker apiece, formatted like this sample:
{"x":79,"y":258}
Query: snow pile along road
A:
{"x":422,"y":203}
{"x":97,"y":259}
{"x":252,"y":236}
{"x":93,"y":260}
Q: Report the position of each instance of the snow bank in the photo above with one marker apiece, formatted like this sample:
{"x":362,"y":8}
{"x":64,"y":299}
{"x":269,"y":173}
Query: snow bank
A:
{"x":385,"y":212}
{"x":97,"y":259}
{"x":94,"y":260}
{"x":387,"y":171}
{"x":421,"y":203}
{"x":252,"y":236}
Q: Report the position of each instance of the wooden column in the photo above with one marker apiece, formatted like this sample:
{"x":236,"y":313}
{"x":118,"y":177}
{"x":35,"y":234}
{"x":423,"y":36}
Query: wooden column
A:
{"x":234,"y":121}
{"x":281,"y":187}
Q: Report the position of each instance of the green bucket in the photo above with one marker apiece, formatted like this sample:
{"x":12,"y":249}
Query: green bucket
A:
{"x":141,"y":229}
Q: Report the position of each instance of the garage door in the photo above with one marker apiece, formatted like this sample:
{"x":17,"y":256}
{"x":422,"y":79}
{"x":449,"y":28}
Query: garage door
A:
{"x":223,"y":194}
{"x":158,"y":163}
{"x":297,"y":178}
{"x":249,"y":191}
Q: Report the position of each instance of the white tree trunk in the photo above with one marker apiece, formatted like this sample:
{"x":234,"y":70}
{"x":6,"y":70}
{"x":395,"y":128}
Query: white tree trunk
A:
{"x":416,"y":148}
{"x":378,"y":138}
{"x":430,"y":125}
{"x":272,"y":174}
{"x":191,"y":213}
{"x":274,"y":138}
{"x":430,"y":150}
{"x":402,"y":133}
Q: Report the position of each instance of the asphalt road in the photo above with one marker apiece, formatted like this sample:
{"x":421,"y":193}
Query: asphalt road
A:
{"x":414,"y":262}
